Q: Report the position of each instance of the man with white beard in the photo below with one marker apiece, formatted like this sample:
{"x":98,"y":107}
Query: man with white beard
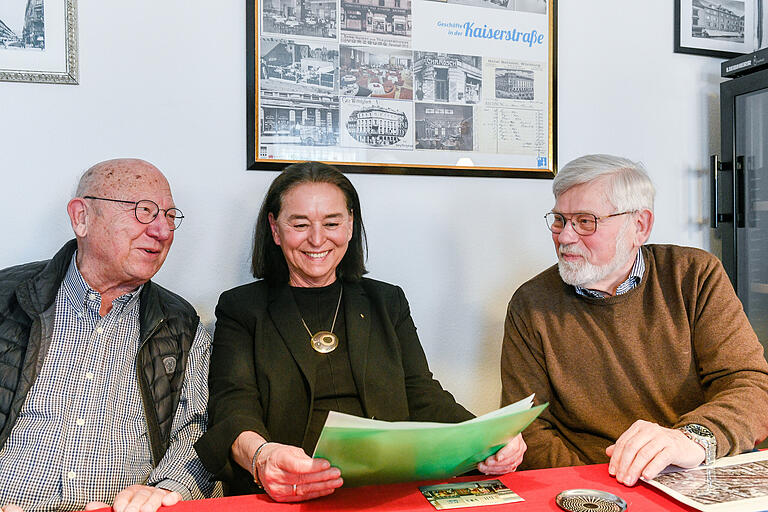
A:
{"x":643,"y":352}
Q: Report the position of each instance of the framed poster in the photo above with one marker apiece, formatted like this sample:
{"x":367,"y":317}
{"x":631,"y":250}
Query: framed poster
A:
{"x":38,"y":41}
{"x":719,"y":28}
{"x":436,"y":87}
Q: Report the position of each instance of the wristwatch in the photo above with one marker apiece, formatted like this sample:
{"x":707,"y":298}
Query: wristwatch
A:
{"x":704,"y":437}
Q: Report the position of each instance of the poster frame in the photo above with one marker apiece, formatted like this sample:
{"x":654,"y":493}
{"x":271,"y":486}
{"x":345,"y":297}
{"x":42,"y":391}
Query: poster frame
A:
{"x":35,"y":67}
{"x":683,"y":25}
{"x":498,"y":170}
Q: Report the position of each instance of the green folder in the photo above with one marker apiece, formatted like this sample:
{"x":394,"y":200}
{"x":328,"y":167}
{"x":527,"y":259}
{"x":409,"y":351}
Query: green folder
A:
{"x":378,"y":452}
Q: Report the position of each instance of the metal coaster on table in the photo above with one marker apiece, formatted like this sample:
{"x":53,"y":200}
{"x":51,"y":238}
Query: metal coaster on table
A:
{"x":590,"y":500}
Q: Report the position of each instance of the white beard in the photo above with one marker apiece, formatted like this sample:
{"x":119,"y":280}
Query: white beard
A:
{"x":584,"y":273}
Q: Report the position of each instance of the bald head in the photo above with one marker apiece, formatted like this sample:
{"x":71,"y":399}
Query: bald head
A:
{"x":119,"y":176}
{"x":116,"y":251}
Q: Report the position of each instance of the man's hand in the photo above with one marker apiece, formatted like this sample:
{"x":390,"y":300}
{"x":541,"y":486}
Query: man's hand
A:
{"x":11,"y":508}
{"x":646,"y":448}
{"x":139,"y":498}
{"x":289,"y":474}
{"x":505,"y":460}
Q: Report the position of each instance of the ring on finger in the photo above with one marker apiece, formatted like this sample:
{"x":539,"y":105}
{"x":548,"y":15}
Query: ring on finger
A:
{"x":294,"y":490}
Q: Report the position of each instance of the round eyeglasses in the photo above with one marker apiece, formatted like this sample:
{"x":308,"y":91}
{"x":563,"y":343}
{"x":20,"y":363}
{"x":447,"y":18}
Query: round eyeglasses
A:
{"x":583,"y":223}
{"x":147,"y":211}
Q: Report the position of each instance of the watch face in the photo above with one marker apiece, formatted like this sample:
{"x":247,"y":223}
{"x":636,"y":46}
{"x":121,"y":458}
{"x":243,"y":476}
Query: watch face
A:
{"x":699,"y":430}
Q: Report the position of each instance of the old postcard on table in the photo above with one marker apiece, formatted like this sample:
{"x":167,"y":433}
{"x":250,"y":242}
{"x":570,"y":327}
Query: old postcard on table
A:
{"x":469,"y":494}
{"x":378,"y":452}
{"x":732,"y":484}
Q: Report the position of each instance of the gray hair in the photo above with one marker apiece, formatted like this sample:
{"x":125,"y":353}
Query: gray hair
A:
{"x":629,"y":186}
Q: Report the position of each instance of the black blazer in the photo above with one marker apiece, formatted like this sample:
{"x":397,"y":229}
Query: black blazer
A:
{"x":262,"y":369}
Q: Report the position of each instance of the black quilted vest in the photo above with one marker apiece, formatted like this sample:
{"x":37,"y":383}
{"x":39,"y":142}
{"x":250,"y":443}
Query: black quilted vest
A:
{"x":167,"y":328}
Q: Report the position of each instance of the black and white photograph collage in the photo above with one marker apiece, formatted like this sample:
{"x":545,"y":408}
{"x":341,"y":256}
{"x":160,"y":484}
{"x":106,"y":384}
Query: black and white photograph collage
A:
{"x":345,"y":75}
{"x":725,"y":485}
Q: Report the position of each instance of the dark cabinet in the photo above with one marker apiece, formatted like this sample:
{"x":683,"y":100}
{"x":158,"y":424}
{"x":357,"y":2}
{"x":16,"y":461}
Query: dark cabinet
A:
{"x":740,"y":192}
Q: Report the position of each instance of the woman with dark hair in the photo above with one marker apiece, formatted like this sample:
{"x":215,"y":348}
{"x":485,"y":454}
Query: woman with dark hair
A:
{"x":313,"y":336}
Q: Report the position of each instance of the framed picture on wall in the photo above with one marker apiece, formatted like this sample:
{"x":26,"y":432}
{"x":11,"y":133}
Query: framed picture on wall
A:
{"x":38,"y":41}
{"x":433,"y":87}
{"x":719,"y":28}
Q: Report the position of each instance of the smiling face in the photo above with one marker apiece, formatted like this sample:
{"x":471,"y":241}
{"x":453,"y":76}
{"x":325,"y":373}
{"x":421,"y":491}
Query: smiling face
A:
{"x":115,"y":250}
{"x":603,"y":259}
{"x":313,"y":229}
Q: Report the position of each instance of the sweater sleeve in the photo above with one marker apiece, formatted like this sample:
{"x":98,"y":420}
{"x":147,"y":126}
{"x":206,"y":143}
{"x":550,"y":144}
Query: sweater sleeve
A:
{"x":730,"y":363}
{"x":234,"y":405}
{"x":523,"y":372}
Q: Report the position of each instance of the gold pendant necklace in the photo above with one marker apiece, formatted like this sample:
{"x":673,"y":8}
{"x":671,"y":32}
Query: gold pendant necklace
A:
{"x":325,"y":341}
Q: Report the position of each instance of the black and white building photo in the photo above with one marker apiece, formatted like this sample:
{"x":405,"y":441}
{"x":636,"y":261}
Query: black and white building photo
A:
{"x":386,"y":17}
{"x":447,"y":77}
{"x":534,"y":6}
{"x":376,"y":71}
{"x":6,"y":34}
{"x":444,"y":127}
{"x":298,"y":118}
{"x":514,"y":84}
{"x":377,"y":126}
{"x":315,"y":18}
{"x":294,"y":65}
{"x":22,"y":24}
{"x":721,"y":19}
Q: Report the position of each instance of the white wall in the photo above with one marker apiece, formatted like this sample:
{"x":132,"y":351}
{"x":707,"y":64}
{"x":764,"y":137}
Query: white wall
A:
{"x":165,"y":81}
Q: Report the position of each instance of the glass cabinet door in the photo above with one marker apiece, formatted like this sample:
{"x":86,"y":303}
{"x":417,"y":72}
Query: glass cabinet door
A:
{"x":751,"y":180}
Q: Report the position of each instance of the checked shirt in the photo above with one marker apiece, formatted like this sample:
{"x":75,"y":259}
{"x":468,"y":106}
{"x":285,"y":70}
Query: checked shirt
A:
{"x":81,"y":434}
{"x":635,"y":276}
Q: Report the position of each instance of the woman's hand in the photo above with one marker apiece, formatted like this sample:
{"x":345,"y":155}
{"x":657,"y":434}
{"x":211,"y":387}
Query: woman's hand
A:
{"x":289,"y":474}
{"x":285,"y":472}
{"x":505,"y":460}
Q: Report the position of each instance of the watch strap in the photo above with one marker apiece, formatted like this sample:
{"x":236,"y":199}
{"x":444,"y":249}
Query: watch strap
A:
{"x":704,"y":437}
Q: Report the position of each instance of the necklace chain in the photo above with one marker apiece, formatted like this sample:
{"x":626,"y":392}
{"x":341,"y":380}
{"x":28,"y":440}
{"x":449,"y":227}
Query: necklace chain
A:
{"x":336,"y":314}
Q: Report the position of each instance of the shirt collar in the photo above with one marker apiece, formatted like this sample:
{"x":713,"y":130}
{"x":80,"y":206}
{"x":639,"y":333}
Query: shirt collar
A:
{"x":635,"y":276}
{"x":81,"y":297}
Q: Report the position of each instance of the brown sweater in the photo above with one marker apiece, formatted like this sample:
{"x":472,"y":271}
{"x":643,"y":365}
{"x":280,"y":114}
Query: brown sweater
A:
{"x":676,"y":349}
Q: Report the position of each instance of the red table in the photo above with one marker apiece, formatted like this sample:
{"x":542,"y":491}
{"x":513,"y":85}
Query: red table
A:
{"x":538,"y":488}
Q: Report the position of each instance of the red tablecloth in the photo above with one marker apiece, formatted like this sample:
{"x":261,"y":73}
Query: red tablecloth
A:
{"x":538,"y":488}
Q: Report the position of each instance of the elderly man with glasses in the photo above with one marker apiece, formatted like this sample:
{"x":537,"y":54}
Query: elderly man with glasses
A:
{"x":643,"y":352}
{"x":103,"y":373}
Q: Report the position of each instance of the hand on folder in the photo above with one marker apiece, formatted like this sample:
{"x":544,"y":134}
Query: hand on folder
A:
{"x":289,"y":474}
{"x":505,"y":460}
